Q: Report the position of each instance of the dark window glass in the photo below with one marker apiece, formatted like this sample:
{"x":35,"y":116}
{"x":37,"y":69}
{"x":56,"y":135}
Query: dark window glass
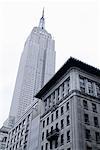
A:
{"x":50,"y":144}
{"x":57,"y":125}
{"x":52,"y":118}
{"x":62,"y":124}
{"x":88,"y":148}
{"x":87,"y":134}
{"x":42,"y":136}
{"x":86,"y":118}
{"x":62,"y":110}
{"x":97,"y":134}
{"x":47,"y":120}
{"x":42,"y":147}
{"x":56,"y":114}
{"x":43,"y":123}
{"x":94,"y":108}
{"x":51,"y":129}
{"x":68,"y":136}
{"x":96,"y":123}
{"x":85,"y":104}
{"x":62,"y":139}
{"x":46,"y":132}
{"x":56,"y":143}
{"x":68,"y":121}
{"x":67,"y":106}
{"x":46,"y":146}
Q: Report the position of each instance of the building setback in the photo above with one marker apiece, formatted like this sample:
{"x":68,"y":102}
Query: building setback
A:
{"x":37,"y":66}
{"x":71,"y":101}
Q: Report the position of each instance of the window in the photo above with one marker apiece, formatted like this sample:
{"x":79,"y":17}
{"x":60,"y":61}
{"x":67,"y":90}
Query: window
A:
{"x":68,"y":121}
{"x":56,"y":114}
{"x":45,"y":102}
{"x":68,"y":136}
{"x":42,"y":136}
{"x":51,"y":129}
{"x":46,"y":132}
{"x":85,"y":104}
{"x":57,"y":125}
{"x":88,"y":148}
{"x":97,"y":135}
{"x":94,"y":107}
{"x":42,"y":147}
{"x":50,"y":144}
{"x":98,"y":90}
{"x":43,"y":123}
{"x":52,"y":118}
{"x":56,"y":143}
{"x":46,"y":146}
{"x":68,"y":149}
{"x":62,"y":139}
{"x":90,"y":87}
{"x":47,"y":120}
{"x":62,"y":110}
{"x":96,"y":123}
{"x":86,"y":118}
{"x":62,"y":123}
{"x":67,"y":106}
{"x":82,"y":84}
{"x":87,"y":134}
{"x":53,"y":95}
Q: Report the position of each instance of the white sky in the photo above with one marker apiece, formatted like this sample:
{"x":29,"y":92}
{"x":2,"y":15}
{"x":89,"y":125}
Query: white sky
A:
{"x":74,"y":24}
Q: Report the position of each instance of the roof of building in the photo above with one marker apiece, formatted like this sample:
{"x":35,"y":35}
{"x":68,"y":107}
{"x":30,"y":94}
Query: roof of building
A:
{"x":71,"y":62}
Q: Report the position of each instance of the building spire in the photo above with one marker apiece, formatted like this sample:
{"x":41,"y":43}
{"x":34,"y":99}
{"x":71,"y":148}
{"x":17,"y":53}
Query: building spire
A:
{"x":42,"y":21}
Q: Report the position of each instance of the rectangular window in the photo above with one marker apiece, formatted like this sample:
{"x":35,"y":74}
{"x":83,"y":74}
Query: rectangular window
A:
{"x":90,"y":87}
{"x":96,"y":123}
{"x":62,"y":123}
{"x":42,"y":147}
{"x":42,"y":136}
{"x":68,"y":136}
{"x":56,"y":143}
{"x":88,"y":148}
{"x":68,"y":121}
{"x":82,"y":84}
{"x":86,"y":119}
{"x":50,"y":144}
{"x":98,"y":90}
{"x":47,"y":120}
{"x":46,"y":132}
{"x":85,"y":104}
{"x":56,"y":114}
{"x":45,"y":102}
{"x":46,"y":146}
{"x":94,"y":108}
{"x":43,"y":123}
{"x":52,"y":118}
{"x":97,"y":135}
{"x":62,"y":139}
{"x":62,"y":110}
{"x":87,"y":134}
{"x":57,"y":125}
{"x":67,"y":106}
{"x":68,"y":85}
{"x":51,"y":129}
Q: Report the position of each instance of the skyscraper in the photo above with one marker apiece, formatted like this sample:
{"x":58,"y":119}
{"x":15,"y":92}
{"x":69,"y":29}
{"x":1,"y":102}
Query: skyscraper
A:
{"x":37,"y":66}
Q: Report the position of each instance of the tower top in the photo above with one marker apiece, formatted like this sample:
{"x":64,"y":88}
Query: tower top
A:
{"x":42,"y":21}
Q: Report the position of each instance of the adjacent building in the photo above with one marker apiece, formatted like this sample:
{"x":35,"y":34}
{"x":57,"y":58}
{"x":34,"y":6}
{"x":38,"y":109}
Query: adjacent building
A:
{"x":70,"y":119}
{"x":37,"y":66}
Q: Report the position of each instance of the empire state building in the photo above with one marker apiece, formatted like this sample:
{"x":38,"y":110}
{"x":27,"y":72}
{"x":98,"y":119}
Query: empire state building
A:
{"x":37,"y":66}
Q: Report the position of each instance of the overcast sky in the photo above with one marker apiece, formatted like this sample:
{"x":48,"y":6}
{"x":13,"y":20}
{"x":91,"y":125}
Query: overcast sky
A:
{"x":74,"y":24}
